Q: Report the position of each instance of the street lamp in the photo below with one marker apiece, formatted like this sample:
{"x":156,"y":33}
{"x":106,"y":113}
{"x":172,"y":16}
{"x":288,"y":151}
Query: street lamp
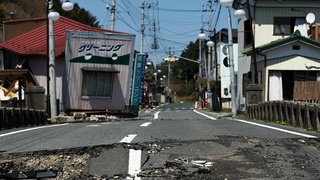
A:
{"x":156,"y":83}
{"x":210,"y":44}
{"x":228,"y":4}
{"x":202,"y":37}
{"x":52,"y":16}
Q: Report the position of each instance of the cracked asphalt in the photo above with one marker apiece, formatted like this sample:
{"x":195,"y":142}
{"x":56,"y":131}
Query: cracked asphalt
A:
{"x":227,"y":158}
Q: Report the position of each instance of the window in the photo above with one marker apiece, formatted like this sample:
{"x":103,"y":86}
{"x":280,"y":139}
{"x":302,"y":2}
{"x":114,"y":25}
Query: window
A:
{"x":285,"y":25}
{"x":247,"y":32}
{"x":97,"y":84}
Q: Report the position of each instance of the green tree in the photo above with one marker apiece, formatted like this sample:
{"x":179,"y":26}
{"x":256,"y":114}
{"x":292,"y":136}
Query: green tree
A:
{"x":23,"y":9}
{"x":183,"y":71}
{"x":77,"y":14}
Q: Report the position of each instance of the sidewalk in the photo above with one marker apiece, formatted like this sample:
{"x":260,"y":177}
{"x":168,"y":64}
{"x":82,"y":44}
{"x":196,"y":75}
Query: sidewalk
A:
{"x":215,"y":114}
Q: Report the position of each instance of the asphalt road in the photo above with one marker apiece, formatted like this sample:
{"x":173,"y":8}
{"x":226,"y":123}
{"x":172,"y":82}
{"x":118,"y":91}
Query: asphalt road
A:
{"x":175,"y":131}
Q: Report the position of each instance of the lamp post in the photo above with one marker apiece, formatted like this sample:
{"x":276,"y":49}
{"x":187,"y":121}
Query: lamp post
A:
{"x":210,"y":44}
{"x":228,"y":4}
{"x":156,"y":84}
{"x":201,"y":37}
{"x":52,"y":16}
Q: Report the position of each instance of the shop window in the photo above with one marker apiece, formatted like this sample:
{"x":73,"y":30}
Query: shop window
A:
{"x":97,"y":84}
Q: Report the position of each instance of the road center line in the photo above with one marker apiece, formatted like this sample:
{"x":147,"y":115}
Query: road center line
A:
{"x":31,"y":129}
{"x":277,"y":129}
{"x":134,"y":163}
{"x":145,"y":124}
{"x":128,"y":138}
{"x":155,"y":116}
{"x":205,"y":115}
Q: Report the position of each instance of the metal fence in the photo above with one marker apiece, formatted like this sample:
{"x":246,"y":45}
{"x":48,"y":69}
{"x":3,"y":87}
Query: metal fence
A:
{"x":297,"y":114}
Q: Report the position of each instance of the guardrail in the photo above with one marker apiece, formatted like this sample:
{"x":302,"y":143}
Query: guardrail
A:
{"x":13,"y":117}
{"x":297,"y":114}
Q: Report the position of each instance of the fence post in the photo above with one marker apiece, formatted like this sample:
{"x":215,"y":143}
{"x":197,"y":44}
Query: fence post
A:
{"x":275,"y":112}
{"x":292,"y":115}
{"x":259,"y":111}
{"x":299,"y":115}
{"x":263,"y":111}
{"x":270,"y":111}
{"x":2,"y":117}
{"x":266,"y":111}
{"x":307,"y":116}
{"x":9,"y":117}
{"x":316,"y":118}
{"x":17,"y":117}
{"x":286,"y":113}
{"x":280,"y":111}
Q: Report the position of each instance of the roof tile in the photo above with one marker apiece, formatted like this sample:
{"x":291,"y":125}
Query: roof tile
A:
{"x":35,"y":41}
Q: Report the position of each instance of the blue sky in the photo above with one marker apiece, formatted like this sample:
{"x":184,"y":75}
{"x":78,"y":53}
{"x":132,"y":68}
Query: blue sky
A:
{"x":178,"y":22}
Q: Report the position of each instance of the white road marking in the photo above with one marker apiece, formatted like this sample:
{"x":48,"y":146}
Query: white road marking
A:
{"x":145,"y":124}
{"x":93,"y":125}
{"x":128,"y":138}
{"x":205,"y":115}
{"x":134,"y":164}
{"x":31,"y":129}
{"x":277,"y":129}
{"x":155,"y":116}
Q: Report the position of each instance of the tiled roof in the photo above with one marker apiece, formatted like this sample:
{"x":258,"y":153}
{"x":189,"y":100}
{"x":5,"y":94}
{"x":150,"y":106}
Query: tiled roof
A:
{"x":35,"y":42}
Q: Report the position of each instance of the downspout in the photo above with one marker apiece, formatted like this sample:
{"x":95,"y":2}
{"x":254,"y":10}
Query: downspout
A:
{"x":264,"y":73}
{"x":252,"y":28}
{"x":3,"y":31}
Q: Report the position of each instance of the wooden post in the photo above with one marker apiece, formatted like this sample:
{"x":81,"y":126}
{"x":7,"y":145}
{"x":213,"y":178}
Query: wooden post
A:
{"x":307,"y":117}
{"x":274,"y":105}
{"x":280,"y":111}
{"x":299,"y":113}
{"x":267,"y":111}
{"x":286,"y":113}
{"x":292,"y":115}
{"x":316,"y":118}
{"x":263,"y":105}
{"x":270,"y":111}
{"x":259,"y":111}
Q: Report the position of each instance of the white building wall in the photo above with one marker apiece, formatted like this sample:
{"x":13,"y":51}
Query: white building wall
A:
{"x":264,"y":21}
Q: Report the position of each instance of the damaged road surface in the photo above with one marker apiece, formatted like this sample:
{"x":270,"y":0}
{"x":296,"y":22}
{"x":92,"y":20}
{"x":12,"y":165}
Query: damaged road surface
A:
{"x":169,"y":142}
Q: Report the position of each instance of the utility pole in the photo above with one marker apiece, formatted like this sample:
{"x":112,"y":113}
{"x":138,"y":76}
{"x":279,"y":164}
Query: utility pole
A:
{"x":52,"y":67}
{"x":231,"y":59}
{"x":113,"y":11}
{"x":169,"y":72}
{"x":209,"y":48}
{"x":142,"y":26}
{"x":154,"y":45}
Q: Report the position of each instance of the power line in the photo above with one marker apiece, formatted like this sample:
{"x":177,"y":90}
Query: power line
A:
{"x":179,"y":10}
